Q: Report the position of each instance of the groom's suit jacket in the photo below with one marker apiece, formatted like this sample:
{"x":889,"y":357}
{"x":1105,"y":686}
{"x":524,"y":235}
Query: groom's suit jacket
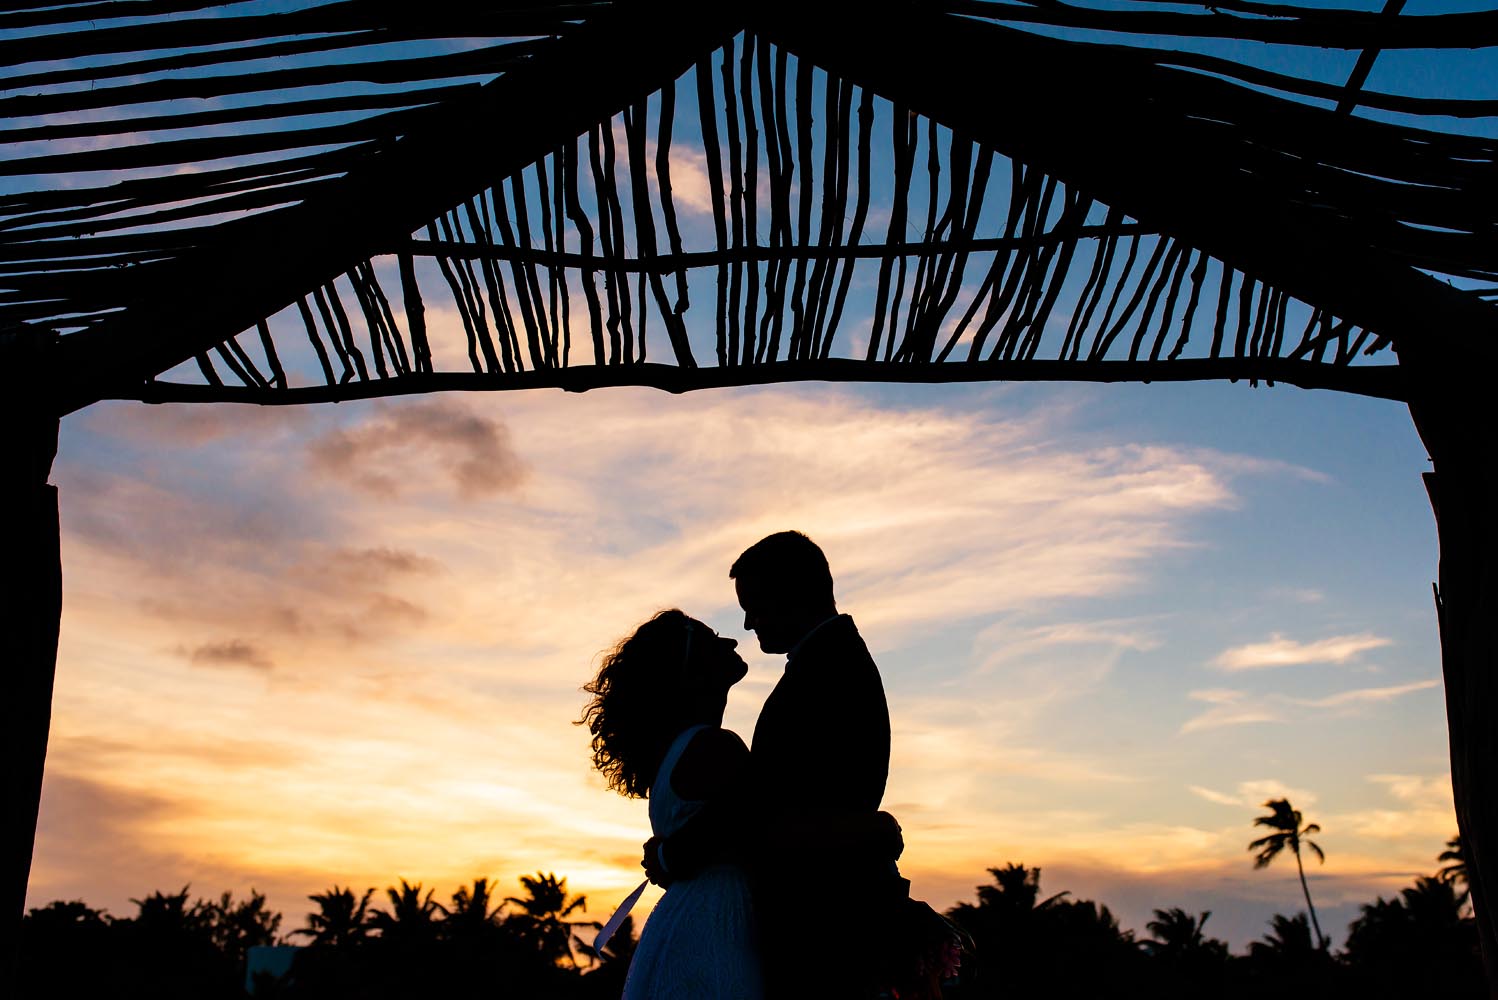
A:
{"x":822,"y":740}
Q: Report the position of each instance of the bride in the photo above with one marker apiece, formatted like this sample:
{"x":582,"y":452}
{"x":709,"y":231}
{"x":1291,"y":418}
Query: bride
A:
{"x":656,"y":717}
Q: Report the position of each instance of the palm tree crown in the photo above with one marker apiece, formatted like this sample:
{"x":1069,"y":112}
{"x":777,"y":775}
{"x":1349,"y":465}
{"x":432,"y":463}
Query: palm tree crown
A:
{"x":543,"y":921}
{"x":340,"y":920}
{"x":1455,"y":868}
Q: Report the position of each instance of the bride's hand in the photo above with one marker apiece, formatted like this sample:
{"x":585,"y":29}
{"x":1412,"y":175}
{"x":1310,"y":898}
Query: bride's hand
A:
{"x":654,"y":870}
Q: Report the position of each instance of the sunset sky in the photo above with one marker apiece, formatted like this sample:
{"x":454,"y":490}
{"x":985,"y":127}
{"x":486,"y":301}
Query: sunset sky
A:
{"x":345,"y":643}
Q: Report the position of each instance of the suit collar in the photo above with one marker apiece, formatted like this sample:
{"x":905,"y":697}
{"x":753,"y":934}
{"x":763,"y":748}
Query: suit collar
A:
{"x":796,"y":650}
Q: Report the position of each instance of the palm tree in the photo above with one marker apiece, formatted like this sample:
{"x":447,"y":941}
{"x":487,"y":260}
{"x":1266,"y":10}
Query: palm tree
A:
{"x":236,"y":927}
{"x":1420,"y":943}
{"x":1288,"y":937}
{"x":1288,"y":833}
{"x":1455,"y":869}
{"x":1175,"y":933}
{"x":411,"y":919}
{"x":472,"y":905}
{"x":339,"y":921}
{"x":543,"y":921}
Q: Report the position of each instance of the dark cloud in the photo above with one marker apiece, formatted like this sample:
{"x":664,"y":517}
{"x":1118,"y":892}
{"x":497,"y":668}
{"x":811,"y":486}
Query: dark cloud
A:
{"x":384,"y":454}
{"x":230,"y":653}
{"x":369,"y":566}
{"x":389,"y":609}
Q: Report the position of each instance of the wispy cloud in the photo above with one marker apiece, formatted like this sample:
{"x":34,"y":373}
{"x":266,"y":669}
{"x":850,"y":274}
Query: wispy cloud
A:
{"x":1253,"y":794}
{"x":1229,"y":707}
{"x":1279,"y":651}
{"x":1365,"y":696}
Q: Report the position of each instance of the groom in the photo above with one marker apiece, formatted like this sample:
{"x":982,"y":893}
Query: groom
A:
{"x":808,"y":825}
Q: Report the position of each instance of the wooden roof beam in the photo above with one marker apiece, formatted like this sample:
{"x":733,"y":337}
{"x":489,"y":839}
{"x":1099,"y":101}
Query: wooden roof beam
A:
{"x":1379,"y":381}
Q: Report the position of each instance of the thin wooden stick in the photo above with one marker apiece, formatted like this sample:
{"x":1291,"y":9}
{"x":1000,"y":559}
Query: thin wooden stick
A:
{"x":584,"y":228}
{"x":268,"y":345}
{"x":860,"y":211}
{"x":713,"y":156}
{"x":312,"y":335}
{"x":460,"y":301}
{"x":753,"y":348}
{"x":736,"y":206}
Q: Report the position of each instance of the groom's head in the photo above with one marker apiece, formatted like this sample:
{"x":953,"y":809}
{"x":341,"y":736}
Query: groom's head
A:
{"x":785,"y":588}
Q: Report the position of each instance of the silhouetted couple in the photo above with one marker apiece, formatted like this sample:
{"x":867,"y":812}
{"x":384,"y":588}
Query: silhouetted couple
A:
{"x":779,"y":869}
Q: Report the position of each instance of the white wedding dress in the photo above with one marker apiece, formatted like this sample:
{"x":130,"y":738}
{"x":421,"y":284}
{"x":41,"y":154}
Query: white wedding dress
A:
{"x":699,"y":941}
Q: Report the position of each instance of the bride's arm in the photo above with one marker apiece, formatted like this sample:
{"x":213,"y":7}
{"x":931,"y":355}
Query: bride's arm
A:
{"x":714,"y":770}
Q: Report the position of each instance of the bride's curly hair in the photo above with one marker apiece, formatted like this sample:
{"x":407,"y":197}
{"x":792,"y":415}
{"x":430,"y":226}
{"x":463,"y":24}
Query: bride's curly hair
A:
{"x":638,"y":706}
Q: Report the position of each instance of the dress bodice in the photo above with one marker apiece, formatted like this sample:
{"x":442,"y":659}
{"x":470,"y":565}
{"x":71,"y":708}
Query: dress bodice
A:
{"x":669,"y":811}
{"x":700,"y":940}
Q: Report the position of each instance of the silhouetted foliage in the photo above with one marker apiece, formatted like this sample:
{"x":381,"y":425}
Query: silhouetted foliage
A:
{"x":612,"y":963}
{"x":52,"y":939}
{"x":542,"y":921}
{"x":339,"y":921}
{"x":1422,"y":942}
{"x":1021,"y":940}
{"x":1455,"y":868}
{"x":1187,"y":962}
{"x":172,"y":947}
{"x":1419,"y":943}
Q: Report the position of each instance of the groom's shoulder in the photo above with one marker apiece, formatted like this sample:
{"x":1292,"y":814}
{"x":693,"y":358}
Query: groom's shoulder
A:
{"x":840,"y":642}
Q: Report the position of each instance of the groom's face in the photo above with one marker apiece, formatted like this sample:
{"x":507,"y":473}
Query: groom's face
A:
{"x":767,"y":615}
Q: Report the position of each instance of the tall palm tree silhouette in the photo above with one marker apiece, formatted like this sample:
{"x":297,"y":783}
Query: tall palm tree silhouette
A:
{"x":1288,"y":834}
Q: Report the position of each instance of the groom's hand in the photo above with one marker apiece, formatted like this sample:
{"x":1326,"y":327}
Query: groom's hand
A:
{"x":654,"y":870}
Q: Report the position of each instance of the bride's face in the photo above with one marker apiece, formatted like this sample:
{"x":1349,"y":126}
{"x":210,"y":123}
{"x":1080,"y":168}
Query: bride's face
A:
{"x":719,"y":666}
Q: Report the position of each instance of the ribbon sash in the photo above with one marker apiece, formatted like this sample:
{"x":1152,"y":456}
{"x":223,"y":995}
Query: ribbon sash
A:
{"x":602,"y":940}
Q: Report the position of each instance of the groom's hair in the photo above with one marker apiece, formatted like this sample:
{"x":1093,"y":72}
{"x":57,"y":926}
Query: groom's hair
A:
{"x":792,"y":562}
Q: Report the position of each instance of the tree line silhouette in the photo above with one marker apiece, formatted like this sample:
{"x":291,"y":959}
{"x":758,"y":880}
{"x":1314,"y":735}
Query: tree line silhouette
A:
{"x":1420,"y":942}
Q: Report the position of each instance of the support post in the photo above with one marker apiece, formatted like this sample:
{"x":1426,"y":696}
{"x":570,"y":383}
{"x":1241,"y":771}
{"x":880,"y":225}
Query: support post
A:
{"x":1458,"y":432}
{"x":30,"y":613}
